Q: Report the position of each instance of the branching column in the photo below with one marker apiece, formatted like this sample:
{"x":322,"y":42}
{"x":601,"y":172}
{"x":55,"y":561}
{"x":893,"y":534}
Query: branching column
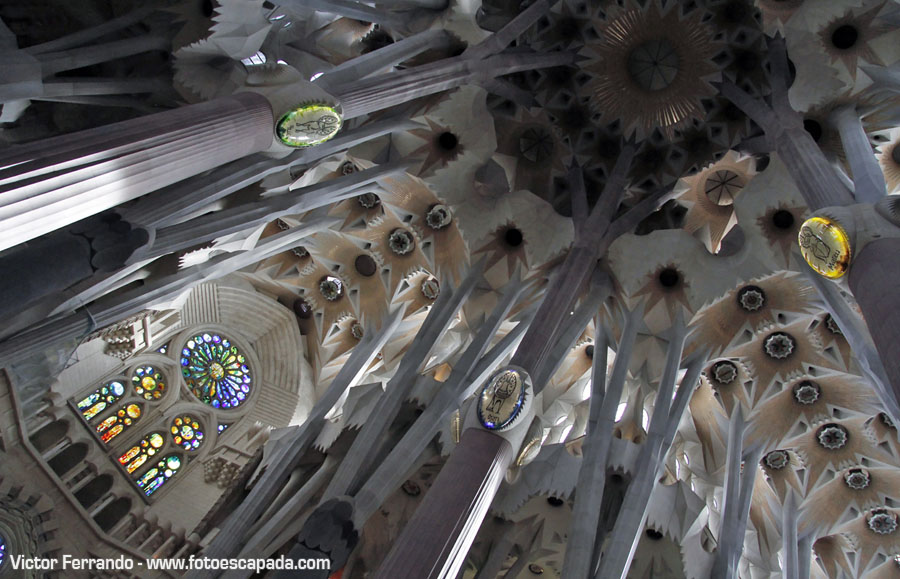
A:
{"x":49,"y":184}
{"x":451,"y":513}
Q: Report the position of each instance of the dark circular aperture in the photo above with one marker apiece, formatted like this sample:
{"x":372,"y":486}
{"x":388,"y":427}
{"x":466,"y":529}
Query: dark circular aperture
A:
{"x":447,"y":141}
{"x":783,"y":219}
{"x":206,"y":7}
{"x":813,"y":128}
{"x":654,"y":535}
{"x":895,"y":154}
{"x":669,"y":277}
{"x":654,"y":64}
{"x":844,"y":37}
{"x":555,"y":501}
{"x":589,"y":352}
{"x":513,"y":237}
{"x":365,"y":265}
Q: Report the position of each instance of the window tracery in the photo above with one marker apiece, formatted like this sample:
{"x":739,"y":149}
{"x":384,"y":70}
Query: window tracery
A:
{"x":137,"y":455}
{"x":148,"y":382}
{"x":156,"y":477}
{"x":100,"y":399}
{"x":215,"y":371}
{"x":115,"y":424}
{"x":186,"y":432}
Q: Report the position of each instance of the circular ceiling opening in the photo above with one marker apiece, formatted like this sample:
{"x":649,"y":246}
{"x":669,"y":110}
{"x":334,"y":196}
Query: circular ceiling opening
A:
{"x":653,"y":65}
{"x":365,"y":265}
{"x":669,"y":277}
{"x":513,"y":237}
{"x":783,"y":219}
{"x":844,"y":37}
{"x":447,"y":141}
{"x":814,"y":128}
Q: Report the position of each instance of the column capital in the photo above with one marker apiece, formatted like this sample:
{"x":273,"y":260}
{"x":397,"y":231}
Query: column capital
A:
{"x":305,"y":114}
{"x":832,"y":236}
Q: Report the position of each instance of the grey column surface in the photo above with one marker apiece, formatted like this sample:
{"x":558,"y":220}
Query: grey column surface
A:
{"x":380,"y":60}
{"x":441,"y":528}
{"x":368,"y":95}
{"x":178,"y":202}
{"x":728,"y":532}
{"x":51,"y":183}
{"x":789,"y":515}
{"x":262,"y":538}
{"x":626,"y":532}
{"x":116,"y":307}
{"x":358,"y":463}
{"x":231,"y":536}
{"x":581,"y":261}
{"x":56,"y":261}
{"x":387,"y":477}
{"x":581,"y":546}
{"x":804,"y":557}
{"x":812,"y":173}
{"x":247,"y":216}
{"x":874,"y":279}
{"x":498,"y":553}
{"x":868,"y":179}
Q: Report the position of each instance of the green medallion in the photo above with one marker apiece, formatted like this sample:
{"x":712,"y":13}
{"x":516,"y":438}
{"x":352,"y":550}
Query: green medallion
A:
{"x":308,"y":125}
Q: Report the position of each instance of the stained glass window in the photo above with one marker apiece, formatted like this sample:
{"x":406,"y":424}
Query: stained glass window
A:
{"x":100,"y":399}
{"x":115,"y":424}
{"x":215,"y":371}
{"x":163,"y":349}
{"x":2,"y":549}
{"x":222,"y":427}
{"x":186,"y":432}
{"x":137,"y":455}
{"x":150,"y":481}
{"x":148,"y":382}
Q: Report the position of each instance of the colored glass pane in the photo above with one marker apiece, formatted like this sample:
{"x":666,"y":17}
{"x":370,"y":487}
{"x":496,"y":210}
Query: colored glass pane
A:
{"x":137,"y":455}
{"x":186,"y":432}
{"x":118,"y":422}
{"x":100,"y":399}
{"x":148,"y":382}
{"x":222,"y":427}
{"x":157,"y":476}
{"x":2,"y":549}
{"x":215,"y":371}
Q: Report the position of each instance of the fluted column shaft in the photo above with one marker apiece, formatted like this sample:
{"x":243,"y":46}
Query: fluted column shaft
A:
{"x":875,"y":284}
{"x":434,"y":542}
{"x":868,"y":179}
{"x":52,"y":183}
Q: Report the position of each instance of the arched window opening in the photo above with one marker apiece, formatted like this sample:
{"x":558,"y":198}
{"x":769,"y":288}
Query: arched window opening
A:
{"x":118,"y":422}
{"x":112,"y":513}
{"x":49,"y":435}
{"x":68,"y":458}
{"x":94,"y":490}
{"x":101,"y":399}
{"x":157,"y":476}
{"x":138,"y":454}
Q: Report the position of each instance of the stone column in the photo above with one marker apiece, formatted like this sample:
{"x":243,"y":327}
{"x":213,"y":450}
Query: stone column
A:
{"x":55,"y":182}
{"x":875,"y":284}
{"x":868,"y":180}
{"x":434,"y":542}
